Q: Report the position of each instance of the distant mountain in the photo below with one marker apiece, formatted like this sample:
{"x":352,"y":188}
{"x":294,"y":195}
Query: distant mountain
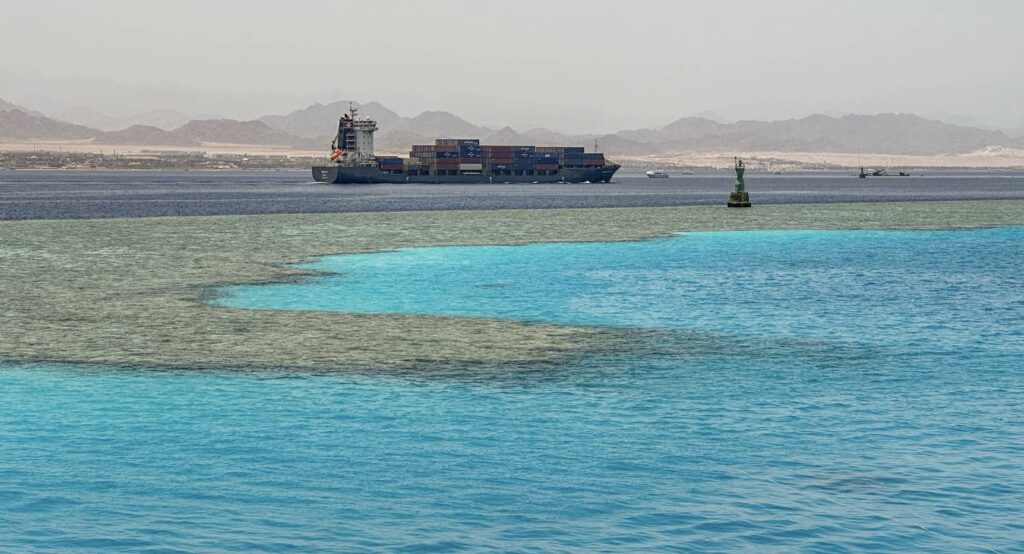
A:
{"x":319,"y":120}
{"x":313,"y":126}
{"x":232,"y":131}
{"x":547,"y":137}
{"x":1016,"y":133}
{"x":145,"y":135}
{"x":443,"y":124}
{"x":19,"y":125}
{"x":396,"y":141}
{"x":6,"y":106}
{"x":89,"y":117}
{"x":882,"y":133}
{"x":83,"y":115}
{"x":506,"y":136}
{"x":161,"y":119}
{"x":691,"y":128}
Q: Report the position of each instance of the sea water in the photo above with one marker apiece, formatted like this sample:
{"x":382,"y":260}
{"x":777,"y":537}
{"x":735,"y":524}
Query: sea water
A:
{"x":784,"y":390}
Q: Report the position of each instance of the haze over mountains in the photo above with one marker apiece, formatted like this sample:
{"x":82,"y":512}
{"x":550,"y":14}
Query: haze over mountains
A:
{"x":310,"y":128}
{"x":91,"y":117}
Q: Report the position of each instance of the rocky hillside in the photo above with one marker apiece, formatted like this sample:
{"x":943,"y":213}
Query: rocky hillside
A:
{"x":318,"y":124}
{"x":320,"y":120}
{"x":147,"y":135}
{"x":16,"y":124}
{"x":89,"y":117}
{"x":882,"y":133}
{"x":312,"y":128}
{"x":234,"y":132}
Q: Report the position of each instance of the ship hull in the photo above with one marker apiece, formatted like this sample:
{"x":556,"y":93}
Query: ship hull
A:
{"x":346,"y":175}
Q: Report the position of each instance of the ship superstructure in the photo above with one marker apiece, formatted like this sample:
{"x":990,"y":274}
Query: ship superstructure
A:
{"x":354,"y":142}
{"x":448,"y":160}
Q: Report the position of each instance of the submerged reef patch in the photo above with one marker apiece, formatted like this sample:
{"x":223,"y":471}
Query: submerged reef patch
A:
{"x":133,"y":291}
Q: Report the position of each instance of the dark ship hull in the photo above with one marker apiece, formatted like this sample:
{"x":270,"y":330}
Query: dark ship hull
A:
{"x":340,"y":174}
{"x":449,"y":160}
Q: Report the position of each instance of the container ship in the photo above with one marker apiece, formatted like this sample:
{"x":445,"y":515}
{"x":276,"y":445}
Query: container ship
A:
{"x":352,"y":161}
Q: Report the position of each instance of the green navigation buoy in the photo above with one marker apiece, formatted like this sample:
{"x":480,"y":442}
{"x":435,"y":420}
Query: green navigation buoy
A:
{"x":739,"y":198}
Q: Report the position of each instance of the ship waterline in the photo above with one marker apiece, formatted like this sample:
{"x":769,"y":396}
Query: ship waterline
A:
{"x":339,"y":174}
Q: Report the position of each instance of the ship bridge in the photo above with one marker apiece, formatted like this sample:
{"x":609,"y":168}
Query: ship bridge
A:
{"x":354,"y":141}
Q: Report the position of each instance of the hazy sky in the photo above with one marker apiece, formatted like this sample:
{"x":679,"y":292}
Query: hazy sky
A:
{"x":570,"y":65}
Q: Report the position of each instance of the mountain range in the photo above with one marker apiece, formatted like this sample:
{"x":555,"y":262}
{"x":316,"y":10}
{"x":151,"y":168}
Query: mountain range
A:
{"x":91,"y":117}
{"x":311,"y":128}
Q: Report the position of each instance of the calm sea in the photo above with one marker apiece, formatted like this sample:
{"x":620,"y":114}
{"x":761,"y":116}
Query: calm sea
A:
{"x":784,"y":391}
{"x":99,"y":194}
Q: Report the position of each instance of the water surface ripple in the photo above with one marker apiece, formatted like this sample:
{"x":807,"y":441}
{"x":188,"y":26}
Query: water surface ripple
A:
{"x":785,"y":391}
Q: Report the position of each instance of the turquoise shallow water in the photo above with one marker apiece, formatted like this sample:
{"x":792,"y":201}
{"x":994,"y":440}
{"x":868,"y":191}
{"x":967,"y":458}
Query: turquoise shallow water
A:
{"x":815,"y":391}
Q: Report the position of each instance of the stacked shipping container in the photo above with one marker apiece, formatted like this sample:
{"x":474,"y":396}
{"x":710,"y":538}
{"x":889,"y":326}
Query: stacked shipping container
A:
{"x":391,"y":164}
{"x":451,"y":156}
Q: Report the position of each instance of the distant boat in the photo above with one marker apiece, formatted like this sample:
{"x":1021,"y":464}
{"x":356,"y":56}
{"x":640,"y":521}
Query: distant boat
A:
{"x":657,"y":174}
{"x":874,"y":173}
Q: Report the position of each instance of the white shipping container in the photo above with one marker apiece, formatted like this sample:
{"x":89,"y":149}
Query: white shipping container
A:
{"x":471,"y":167}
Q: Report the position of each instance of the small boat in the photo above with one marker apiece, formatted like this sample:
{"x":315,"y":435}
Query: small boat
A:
{"x":874,"y":173}
{"x":657,"y":174}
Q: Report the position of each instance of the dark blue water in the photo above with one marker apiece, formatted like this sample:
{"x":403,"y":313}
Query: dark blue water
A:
{"x":812,"y":391}
{"x":100,"y":194}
